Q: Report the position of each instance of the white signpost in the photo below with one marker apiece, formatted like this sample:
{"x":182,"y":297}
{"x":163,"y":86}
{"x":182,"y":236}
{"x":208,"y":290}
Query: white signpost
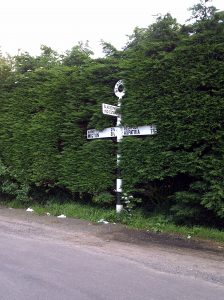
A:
{"x":126,"y":131}
{"x":139,"y":130}
{"x":118,"y":132}
{"x":110,"y":110}
{"x":105,"y":133}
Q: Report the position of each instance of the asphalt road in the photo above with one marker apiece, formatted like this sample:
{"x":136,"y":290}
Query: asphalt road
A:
{"x":47,"y":258}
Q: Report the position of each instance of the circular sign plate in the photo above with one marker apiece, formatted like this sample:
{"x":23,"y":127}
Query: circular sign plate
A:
{"x":119,"y":89}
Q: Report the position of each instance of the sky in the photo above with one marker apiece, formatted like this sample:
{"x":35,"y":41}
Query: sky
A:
{"x":28,"y":24}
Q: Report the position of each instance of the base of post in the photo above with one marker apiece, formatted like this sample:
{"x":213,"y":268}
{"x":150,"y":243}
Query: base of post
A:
{"x":119,"y":208}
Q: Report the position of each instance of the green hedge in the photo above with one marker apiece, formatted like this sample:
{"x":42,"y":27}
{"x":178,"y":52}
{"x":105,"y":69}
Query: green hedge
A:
{"x":174,"y":79}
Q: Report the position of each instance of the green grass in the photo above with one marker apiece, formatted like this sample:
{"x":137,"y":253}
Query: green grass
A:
{"x":155,"y":223}
{"x":76,"y":210}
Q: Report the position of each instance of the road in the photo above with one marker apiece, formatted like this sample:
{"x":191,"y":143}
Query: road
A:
{"x":49,"y":258}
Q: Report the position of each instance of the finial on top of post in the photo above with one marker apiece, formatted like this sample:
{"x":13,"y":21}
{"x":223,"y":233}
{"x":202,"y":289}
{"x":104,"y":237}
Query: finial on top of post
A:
{"x":119,"y":89}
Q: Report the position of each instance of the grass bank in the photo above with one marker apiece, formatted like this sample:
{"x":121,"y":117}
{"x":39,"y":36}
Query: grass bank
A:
{"x":137,"y":220}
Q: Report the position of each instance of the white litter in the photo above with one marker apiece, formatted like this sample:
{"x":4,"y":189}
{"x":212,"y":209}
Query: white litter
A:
{"x":61,"y":217}
{"x":103,"y":221}
{"x":48,"y":214}
{"x":189,"y":236}
{"x":29,"y":209}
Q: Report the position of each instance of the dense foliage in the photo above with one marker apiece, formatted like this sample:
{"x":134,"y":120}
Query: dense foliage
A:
{"x":174,"y":77}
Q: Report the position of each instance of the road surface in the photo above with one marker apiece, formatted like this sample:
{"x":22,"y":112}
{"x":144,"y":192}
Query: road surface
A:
{"x":49,"y":258}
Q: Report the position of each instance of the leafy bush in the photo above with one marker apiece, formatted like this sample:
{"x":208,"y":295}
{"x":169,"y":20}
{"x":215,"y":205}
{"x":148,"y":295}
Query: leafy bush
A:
{"x":104,"y":198}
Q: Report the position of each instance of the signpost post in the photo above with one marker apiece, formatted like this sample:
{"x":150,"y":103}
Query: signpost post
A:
{"x":119,"y":91}
{"x":119,"y":132}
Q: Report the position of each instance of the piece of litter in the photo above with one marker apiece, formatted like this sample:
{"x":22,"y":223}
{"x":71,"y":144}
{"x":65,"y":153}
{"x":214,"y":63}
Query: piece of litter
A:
{"x":10,"y":208}
{"x":100,"y":221}
{"x":48,"y":214}
{"x":29,"y":209}
{"x":103,"y":221}
{"x":61,"y":216}
{"x":114,"y":223}
{"x":189,"y":236}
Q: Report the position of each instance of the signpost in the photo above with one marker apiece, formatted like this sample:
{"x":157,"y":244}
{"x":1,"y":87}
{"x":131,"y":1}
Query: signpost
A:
{"x":126,"y":131}
{"x":119,"y":132}
{"x":139,"y":130}
{"x":110,"y":110}
{"x":105,"y":133}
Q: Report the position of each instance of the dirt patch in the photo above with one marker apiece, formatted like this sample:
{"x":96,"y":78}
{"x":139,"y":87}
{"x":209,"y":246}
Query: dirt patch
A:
{"x":170,"y":240}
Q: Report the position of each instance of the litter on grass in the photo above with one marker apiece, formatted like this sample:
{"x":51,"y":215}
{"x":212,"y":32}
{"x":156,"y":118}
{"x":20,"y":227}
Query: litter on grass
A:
{"x":61,"y":217}
{"x":48,"y":214}
{"x":103,"y":221}
{"x":29,"y":209}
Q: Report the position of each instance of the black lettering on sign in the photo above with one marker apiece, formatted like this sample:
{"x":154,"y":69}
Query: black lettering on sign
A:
{"x":113,"y":131}
{"x":93,"y":134}
{"x":153,"y":130}
{"x":131,"y":131}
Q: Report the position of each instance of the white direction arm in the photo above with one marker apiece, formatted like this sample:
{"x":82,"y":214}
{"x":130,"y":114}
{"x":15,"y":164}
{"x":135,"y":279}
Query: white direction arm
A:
{"x":119,"y":132}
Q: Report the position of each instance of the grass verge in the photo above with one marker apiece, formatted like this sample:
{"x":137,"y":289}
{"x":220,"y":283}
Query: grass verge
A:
{"x":155,"y":223}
